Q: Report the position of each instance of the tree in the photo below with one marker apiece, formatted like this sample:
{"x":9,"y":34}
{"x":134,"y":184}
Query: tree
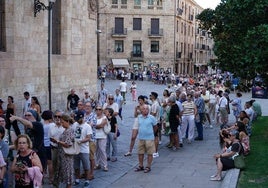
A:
{"x":240,"y":32}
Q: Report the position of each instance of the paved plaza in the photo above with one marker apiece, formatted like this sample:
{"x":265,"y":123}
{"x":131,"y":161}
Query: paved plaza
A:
{"x":190,"y":167}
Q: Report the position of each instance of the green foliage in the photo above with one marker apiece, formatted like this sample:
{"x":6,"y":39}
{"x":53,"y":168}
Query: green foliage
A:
{"x":255,"y":174}
{"x":239,"y":29}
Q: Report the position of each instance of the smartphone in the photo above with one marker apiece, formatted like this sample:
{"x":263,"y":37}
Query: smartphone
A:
{"x":20,"y":164}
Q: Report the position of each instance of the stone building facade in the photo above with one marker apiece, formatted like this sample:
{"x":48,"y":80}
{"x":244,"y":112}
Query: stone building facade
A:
{"x":149,"y":34}
{"x":24,"y":51}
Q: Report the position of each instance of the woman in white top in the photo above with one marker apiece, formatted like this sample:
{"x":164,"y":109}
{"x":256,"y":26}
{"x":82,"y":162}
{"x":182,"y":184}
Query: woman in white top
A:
{"x":101,"y":140}
{"x":212,"y":104}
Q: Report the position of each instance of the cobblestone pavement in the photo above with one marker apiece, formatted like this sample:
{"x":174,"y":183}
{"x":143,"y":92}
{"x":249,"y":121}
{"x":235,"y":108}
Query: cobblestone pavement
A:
{"x":190,"y":167}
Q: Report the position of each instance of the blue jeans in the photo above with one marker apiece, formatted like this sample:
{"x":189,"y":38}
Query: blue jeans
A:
{"x":199,"y":126}
{"x":113,"y":142}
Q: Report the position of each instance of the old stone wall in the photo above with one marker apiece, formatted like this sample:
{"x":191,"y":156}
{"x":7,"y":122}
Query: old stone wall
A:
{"x":24,"y":66}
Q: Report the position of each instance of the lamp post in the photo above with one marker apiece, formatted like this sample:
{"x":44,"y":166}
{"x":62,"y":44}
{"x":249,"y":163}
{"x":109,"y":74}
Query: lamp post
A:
{"x":38,"y":6}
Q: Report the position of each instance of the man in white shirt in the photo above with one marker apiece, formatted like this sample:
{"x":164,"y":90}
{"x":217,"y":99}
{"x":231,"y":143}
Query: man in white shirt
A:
{"x":83,"y":133}
{"x":123,"y":88}
{"x":111,"y":104}
{"x":27,"y":102}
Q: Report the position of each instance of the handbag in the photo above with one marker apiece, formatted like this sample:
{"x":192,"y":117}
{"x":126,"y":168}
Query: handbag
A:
{"x":107,"y":128}
{"x":239,"y":162}
{"x":72,"y":150}
{"x":118,"y":133}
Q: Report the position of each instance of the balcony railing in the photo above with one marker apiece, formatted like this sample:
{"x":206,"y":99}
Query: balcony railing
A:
{"x":117,"y":33}
{"x":153,"y":33}
{"x":178,"y":55}
{"x":137,"y":56}
{"x":179,"y":11}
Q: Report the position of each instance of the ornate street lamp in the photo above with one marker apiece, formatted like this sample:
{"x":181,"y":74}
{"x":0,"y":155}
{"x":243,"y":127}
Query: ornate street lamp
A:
{"x":38,"y":6}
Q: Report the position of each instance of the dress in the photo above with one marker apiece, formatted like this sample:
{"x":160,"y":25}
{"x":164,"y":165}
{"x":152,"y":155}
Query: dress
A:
{"x":66,"y":171}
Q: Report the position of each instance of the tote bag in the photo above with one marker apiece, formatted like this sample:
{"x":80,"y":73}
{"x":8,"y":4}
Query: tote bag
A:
{"x":72,"y":150}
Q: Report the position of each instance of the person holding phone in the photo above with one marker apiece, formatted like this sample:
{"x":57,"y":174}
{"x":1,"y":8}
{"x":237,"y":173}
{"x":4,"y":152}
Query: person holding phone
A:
{"x":26,"y":158}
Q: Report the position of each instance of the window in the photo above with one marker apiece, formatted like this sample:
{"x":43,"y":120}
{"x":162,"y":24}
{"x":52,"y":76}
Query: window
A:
{"x":154,"y":46}
{"x":123,"y":2}
{"x":114,"y":2}
{"x":119,"y":25}
{"x":150,"y":2}
{"x":56,"y":28}
{"x":155,"y":26}
{"x":119,"y":46}
{"x":181,"y":27}
{"x":137,"y":2}
{"x":137,"y":48}
{"x":2,"y":26}
{"x":137,"y":24}
{"x":159,"y":2}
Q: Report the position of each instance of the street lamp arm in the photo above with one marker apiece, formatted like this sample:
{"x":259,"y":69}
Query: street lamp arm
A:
{"x":38,"y":6}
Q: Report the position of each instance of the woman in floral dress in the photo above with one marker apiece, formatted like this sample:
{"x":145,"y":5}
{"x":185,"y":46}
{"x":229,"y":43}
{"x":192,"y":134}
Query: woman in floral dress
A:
{"x":66,"y":170}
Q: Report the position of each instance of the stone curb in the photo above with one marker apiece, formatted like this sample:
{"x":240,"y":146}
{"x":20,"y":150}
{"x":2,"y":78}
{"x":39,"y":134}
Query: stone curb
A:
{"x":231,"y":178}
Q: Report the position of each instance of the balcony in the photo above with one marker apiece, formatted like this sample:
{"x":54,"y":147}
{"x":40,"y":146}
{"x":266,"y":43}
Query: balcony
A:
{"x":191,"y":17}
{"x":179,"y":11}
{"x":155,"y":34}
{"x":117,"y":33}
{"x":190,"y":55}
{"x":178,"y":55}
{"x":137,"y":56}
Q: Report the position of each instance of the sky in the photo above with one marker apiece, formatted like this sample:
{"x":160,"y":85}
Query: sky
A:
{"x":208,"y":3}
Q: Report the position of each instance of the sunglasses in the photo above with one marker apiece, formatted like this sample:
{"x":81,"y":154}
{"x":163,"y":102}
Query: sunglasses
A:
{"x":98,"y":109}
{"x":57,"y":117}
{"x":27,"y":115}
{"x":111,"y":98}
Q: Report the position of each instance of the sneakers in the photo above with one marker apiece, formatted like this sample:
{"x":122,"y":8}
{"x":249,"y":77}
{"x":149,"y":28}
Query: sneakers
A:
{"x":128,"y":154}
{"x":155,"y":155}
{"x":86,"y":184}
{"x":211,"y":126}
{"x":160,"y":142}
{"x":105,"y":169}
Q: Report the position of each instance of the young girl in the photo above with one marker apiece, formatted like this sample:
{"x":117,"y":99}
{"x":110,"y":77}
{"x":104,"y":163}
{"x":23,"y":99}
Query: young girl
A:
{"x":112,"y":136}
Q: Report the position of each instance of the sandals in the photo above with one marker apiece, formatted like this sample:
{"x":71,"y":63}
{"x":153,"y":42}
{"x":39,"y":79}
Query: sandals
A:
{"x":147,"y":169}
{"x":128,"y":154}
{"x":139,"y":168}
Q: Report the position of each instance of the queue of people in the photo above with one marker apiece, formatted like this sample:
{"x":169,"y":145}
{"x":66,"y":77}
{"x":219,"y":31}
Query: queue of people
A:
{"x":175,"y":114}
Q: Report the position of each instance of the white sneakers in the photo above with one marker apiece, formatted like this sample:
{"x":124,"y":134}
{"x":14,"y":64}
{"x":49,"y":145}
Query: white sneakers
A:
{"x":155,"y":155}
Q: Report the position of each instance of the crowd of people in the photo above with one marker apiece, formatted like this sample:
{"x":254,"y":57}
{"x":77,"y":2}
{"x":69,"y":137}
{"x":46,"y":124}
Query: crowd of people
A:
{"x":176,"y":113}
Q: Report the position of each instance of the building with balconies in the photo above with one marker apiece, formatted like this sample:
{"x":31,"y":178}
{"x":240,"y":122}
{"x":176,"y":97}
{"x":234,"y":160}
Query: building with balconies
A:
{"x":152,"y":34}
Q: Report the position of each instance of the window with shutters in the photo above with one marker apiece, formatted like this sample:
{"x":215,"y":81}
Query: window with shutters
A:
{"x":2,"y":26}
{"x":155,"y":46}
{"x":119,"y":25}
{"x":56,"y":28}
{"x":154,"y":26}
{"x":137,"y":24}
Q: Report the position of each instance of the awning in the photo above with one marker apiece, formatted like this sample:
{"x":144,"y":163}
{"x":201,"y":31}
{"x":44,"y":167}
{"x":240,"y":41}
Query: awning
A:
{"x":120,"y":63}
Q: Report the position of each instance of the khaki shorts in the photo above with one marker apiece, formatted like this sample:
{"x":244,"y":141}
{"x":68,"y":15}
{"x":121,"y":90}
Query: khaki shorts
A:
{"x":146,"y":146}
{"x":92,"y":149}
{"x":223,"y":112}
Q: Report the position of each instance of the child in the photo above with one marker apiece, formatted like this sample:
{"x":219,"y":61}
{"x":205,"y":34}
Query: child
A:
{"x":112,"y":136}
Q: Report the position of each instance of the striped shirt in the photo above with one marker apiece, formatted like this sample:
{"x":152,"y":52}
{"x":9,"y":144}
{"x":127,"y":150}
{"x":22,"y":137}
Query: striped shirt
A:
{"x":188,"y":108}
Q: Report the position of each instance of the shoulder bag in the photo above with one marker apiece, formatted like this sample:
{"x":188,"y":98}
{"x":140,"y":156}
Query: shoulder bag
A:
{"x":72,"y":150}
{"x":107,"y":128}
{"x":239,"y":160}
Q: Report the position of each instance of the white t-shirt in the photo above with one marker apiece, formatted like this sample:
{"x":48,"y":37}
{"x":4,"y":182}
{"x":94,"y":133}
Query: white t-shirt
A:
{"x":81,"y":131}
{"x":113,"y":106}
{"x":99,"y":132}
{"x":223,"y":102}
{"x":123,"y":87}
{"x":155,"y":109}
